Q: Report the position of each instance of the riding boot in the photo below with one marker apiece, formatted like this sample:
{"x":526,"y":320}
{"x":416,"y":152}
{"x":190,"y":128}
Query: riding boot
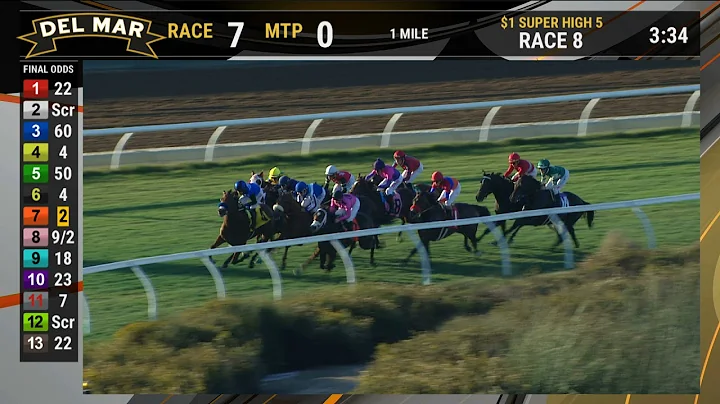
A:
{"x":383,"y":200}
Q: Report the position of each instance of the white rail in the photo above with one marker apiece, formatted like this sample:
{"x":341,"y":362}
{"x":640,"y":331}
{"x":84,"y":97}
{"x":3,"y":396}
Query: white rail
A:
{"x":187,"y":154}
{"x":203,"y":255}
{"x":396,"y":113}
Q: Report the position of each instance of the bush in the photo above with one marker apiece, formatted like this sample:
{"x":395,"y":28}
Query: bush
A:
{"x":574,"y":331}
{"x":635,"y":330}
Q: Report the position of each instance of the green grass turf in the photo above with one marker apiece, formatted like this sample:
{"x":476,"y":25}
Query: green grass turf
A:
{"x":158,"y":210}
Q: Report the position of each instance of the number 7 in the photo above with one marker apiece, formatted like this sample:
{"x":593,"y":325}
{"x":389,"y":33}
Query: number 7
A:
{"x":238,"y":31}
{"x":63,"y":296}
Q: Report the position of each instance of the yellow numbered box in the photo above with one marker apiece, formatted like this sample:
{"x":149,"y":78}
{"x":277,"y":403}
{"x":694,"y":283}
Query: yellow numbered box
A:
{"x":35,"y":152}
{"x":63,"y":216}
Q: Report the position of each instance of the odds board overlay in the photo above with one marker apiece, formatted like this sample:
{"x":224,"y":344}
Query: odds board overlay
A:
{"x":264,"y":34}
{"x":49,"y":125}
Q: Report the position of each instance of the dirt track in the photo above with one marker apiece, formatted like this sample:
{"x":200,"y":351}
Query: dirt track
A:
{"x":108,"y":112}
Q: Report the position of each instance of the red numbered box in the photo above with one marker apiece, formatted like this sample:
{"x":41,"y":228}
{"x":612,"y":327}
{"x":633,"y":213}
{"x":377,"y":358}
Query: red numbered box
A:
{"x":35,"y":88}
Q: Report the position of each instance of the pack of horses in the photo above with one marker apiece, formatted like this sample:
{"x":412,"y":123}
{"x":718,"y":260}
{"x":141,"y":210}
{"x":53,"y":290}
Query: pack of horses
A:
{"x":410,"y":204}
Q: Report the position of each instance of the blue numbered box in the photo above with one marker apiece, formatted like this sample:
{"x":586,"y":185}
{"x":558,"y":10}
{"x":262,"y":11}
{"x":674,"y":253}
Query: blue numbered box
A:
{"x":35,"y":258}
{"x":35,"y":131}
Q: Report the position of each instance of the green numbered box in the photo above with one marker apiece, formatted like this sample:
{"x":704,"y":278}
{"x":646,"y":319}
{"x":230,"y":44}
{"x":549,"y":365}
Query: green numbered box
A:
{"x":35,"y":322}
{"x":35,"y":173}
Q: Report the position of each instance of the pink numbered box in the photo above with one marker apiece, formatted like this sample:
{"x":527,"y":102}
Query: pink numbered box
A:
{"x":35,"y":237}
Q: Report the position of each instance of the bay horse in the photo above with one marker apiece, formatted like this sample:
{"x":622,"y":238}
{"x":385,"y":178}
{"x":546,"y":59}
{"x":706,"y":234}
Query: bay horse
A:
{"x":324,"y":223}
{"x":270,"y":190}
{"x":426,"y":208}
{"x":235,"y":229}
{"x":294,"y":221}
{"x":531,"y":190}
{"x":398,"y":204}
{"x":501,"y":188}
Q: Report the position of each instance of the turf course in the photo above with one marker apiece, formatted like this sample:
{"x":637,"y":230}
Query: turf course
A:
{"x":150,"y":211}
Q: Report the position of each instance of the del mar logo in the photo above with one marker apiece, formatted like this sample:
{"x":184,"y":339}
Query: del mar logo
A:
{"x":47,"y":30}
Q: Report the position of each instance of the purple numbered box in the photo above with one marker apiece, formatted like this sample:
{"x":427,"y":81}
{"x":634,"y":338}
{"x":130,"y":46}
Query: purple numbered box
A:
{"x":35,"y":279}
{"x":35,"y":237}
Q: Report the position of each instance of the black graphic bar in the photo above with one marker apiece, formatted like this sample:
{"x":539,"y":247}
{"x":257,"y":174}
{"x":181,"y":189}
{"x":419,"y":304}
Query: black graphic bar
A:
{"x":418,"y":34}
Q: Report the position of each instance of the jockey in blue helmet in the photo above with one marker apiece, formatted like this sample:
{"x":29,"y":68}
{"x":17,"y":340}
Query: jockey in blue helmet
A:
{"x":310,"y":196}
{"x":287,"y":184}
{"x":249,"y":198}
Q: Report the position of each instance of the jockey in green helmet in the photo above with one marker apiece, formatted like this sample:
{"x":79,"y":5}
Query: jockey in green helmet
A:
{"x":553,"y":177}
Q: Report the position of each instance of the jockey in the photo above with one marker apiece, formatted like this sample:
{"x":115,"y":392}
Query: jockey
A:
{"x":555,"y":176}
{"x":345,"y":207}
{"x":249,"y":197}
{"x":391,"y":178}
{"x":450,"y":188}
{"x":412,"y":167}
{"x":310,"y":196}
{"x":274,"y":175}
{"x":523,"y":167}
{"x":287,"y":184}
{"x":343,"y":179}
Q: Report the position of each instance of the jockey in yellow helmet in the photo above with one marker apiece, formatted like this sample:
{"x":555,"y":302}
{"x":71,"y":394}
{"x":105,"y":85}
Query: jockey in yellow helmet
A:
{"x":274,"y":176}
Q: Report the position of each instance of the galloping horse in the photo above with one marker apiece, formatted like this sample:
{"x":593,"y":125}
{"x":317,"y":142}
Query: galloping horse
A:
{"x":235,"y":229}
{"x":271,"y":191}
{"x":324,"y":223}
{"x":426,"y":208}
{"x":531,"y":190}
{"x":398,"y":204}
{"x":294,"y":221}
{"x":501,"y":188}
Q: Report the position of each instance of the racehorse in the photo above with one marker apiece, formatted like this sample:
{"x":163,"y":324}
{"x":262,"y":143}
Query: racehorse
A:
{"x":536,"y":197}
{"x":426,"y":208}
{"x":399,"y":204}
{"x":324,"y":223}
{"x":294,"y":221}
{"x":501,"y":188}
{"x":235,"y":229}
{"x":270,"y":190}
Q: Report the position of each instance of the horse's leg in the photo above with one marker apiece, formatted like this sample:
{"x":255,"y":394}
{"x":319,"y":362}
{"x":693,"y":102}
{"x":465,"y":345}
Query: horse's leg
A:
{"x":513,"y":231}
{"x":218,"y":242}
{"x":571,"y":230}
{"x":311,"y":259}
{"x":372,"y":252}
{"x":227,"y":261}
{"x":284,"y":259}
{"x":399,"y":237}
{"x":485,"y":233}
{"x":332,"y":254}
{"x":465,"y":241}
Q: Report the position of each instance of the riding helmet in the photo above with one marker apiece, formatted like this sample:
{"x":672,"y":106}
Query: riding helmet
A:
{"x":284,"y":180}
{"x":300,"y":187}
{"x":241,"y":186}
{"x":331,"y":170}
{"x":437,"y":176}
{"x":513,"y":157}
{"x":379,"y":164}
{"x":399,"y":154}
{"x":544,"y":163}
{"x":337,"y":195}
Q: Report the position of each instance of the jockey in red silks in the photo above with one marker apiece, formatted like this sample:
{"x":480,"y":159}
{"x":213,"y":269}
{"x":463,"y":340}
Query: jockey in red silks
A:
{"x":523,"y":167}
{"x":450,"y":188}
{"x":343,"y":179}
{"x":411,"y":166}
{"x":345,"y":207}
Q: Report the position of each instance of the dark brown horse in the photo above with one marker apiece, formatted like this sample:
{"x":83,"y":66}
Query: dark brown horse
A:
{"x":426,"y":208}
{"x":294,"y":221}
{"x":394,"y":207}
{"x":324,"y":223}
{"x":501,"y":188}
{"x":235,"y":229}
{"x":531,"y":191}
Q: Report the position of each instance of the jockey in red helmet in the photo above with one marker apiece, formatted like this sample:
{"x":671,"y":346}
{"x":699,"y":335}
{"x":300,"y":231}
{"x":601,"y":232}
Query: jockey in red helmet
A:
{"x":523,"y":167}
{"x":412,"y":167}
{"x":450,"y":188}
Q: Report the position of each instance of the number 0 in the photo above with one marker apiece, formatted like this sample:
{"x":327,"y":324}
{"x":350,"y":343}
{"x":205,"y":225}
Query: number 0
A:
{"x":323,"y":29}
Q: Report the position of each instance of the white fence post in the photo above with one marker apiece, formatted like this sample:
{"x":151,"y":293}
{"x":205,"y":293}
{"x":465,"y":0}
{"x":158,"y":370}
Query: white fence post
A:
{"x":117,"y":152}
{"x":217,"y":276}
{"x":274,"y":273}
{"x":425,"y":267}
{"x":487,"y":122}
{"x":649,"y":232}
{"x":307,"y":139}
{"x":210,"y":148}
{"x":585,"y":116}
{"x":387,"y":132}
{"x":689,"y":107}
{"x":504,"y":248}
{"x":149,"y":291}
{"x":347,"y":261}
{"x":567,"y":242}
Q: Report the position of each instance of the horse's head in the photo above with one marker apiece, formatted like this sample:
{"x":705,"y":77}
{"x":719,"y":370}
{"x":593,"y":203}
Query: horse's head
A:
{"x":524,"y":186}
{"x":320,"y":219}
{"x":228,"y":203}
{"x":257,"y":178}
{"x":493,"y":183}
{"x":362,"y":186}
{"x":422,"y":202}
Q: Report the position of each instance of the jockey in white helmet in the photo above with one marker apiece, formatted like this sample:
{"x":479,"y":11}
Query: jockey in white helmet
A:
{"x":343,"y":179}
